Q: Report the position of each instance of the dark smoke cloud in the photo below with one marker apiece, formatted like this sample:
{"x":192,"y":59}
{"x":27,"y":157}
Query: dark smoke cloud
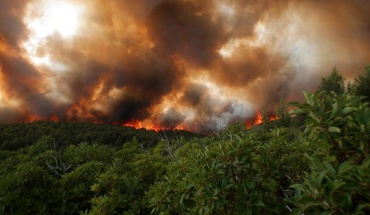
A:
{"x":21,"y":78}
{"x":194,"y":94}
{"x":12,"y":28}
{"x":176,"y":63}
{"x":175,"y":28}
{"x":144,"y":82}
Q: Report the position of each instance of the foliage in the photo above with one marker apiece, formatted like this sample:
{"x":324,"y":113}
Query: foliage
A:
{"x":74,"y":187}
{"x":122,"y":187}
{"x":282,"y":113}
{"x":237,"y":175}
{"x":26,"y":187}
{"x":332,"y":83}
{"x":18,"y":135}
{"x":26,"y":190}
{"x":361,"y":86}
{"x":340,"y":173}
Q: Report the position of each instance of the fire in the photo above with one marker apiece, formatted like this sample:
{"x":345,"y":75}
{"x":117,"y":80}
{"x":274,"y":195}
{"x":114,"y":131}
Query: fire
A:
{"x":54,"y":118}
{"x":134,"y":124}
{"x":272,"y":118}
{"x":149,"y":126}
{"x":259,"y":120}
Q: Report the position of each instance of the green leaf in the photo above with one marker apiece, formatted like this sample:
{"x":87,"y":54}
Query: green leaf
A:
{"x":336,"y":184}
{"x":311,"y":204}
{"x":333,"y":129}
{"x":309,"y":98}
{"x":344,"y":167}
{"x":296,"y":211}
{"x":311,"y":183}
{"x":321,"y":177}
{"x":329,"y":167}
{"x":259,"y":203}
{"x":94,"y":187}
{"x":347,"y":110}
{"x":296,"y":111}
{"x":296,"y":104}
{"x":314,"y":117}
{"x":360,"y":207}
{"x":347,"y":202}
{"x":334,"y":109}
{"x":238,"y":138}
{"x":216,"y":192}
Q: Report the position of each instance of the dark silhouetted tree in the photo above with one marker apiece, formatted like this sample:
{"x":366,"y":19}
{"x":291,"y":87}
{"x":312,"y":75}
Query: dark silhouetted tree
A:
{"x":332,"y":83}
{"x":361,"y":86}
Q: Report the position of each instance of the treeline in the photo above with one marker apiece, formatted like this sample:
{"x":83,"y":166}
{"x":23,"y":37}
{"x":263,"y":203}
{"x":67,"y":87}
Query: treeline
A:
{"x":334,"y":82}
{"x":313,"y":160}
{"x":17,"y":135}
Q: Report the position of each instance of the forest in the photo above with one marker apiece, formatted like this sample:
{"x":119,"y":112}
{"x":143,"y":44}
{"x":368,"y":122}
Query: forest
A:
{"x":314,"y":159}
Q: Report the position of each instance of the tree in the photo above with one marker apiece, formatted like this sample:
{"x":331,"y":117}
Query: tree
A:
{"x":332,"y":83}
{"x":242,"y":172}
{"x":339,"y":180}
{"x":361,"y":86}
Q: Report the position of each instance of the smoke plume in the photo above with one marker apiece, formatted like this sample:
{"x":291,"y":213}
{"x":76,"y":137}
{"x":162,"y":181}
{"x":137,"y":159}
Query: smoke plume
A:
{"x":189,"y":64}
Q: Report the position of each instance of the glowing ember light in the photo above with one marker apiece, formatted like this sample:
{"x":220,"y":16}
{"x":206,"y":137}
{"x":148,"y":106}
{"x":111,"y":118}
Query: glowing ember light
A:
{"x":140,"y":125}
{"x":259,"y":120}
{"x":272,"y":118}
{"x":54,"y":118}
{"x":180,"y":128}
{"x":31,"y":118}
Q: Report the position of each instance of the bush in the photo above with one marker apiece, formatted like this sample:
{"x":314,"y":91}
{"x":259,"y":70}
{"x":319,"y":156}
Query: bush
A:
{"x":339,"y":180}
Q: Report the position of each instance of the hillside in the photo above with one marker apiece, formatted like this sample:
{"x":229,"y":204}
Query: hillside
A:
{"x":314,"y":159}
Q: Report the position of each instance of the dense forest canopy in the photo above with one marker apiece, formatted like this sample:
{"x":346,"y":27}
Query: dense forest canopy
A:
{"x":313,"y":159}
{"x":18,"y":135}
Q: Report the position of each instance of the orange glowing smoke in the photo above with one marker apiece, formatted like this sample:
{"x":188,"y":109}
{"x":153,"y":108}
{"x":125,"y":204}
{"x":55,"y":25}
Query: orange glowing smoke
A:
{"x":259,"y":120}
{"x":161,"y":64}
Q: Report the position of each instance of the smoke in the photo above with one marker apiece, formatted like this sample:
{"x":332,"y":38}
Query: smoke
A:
{"x":189,"y":64}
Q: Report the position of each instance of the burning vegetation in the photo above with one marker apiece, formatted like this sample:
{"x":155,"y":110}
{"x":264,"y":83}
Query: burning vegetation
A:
{"x":185,"y":64}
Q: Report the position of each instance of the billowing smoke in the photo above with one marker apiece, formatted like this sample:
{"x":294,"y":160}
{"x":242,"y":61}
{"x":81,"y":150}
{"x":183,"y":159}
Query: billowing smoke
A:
{"x":188,"y":64}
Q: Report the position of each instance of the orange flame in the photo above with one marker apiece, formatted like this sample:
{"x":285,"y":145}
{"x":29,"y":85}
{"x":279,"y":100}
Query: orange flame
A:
{"x":54,"y":118}
{"x":272,"y":118}
{"x":140,"y":125}
{"x":259,"y":120}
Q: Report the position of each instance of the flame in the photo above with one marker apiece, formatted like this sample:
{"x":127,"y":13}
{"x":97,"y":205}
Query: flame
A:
{"x":54,"y":118}
{"x":259,"y":120}
{"x":149,"y":126}
{"x":272,"y":118}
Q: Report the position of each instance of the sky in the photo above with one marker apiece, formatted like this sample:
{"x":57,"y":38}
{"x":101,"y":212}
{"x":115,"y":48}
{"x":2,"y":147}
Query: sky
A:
{"x":185,"y":64}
